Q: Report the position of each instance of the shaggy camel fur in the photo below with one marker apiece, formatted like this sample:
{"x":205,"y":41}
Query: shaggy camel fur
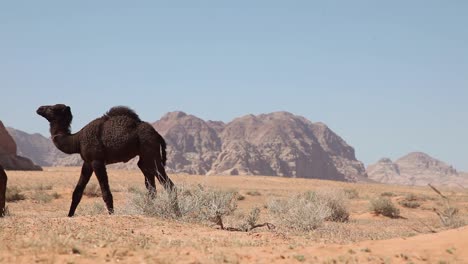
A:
{"x":118,"y":136}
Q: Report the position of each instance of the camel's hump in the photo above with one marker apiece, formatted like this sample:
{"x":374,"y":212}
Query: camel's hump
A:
{"x":123,"y":111}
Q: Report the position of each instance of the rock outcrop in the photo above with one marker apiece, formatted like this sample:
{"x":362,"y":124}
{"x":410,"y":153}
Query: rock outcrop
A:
{"x":416,"y":168}
{"x":8,"y":155}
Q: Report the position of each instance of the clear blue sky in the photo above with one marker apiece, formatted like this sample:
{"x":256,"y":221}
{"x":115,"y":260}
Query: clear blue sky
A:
{"x":390,"y":77}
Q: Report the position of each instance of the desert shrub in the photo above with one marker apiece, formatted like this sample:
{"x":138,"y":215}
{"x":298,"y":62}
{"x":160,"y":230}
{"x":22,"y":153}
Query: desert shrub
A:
{"x":410,"y":201}
{"x":450,"y":217}
{"x":41,"y":197}
{"x":387,"y":194}
{"x":194,"y":205}
{"x":351,"y":193}
{"x":133,"y":189}
{"x":240,"y":197}
{"x":92,"y":190}
{"x":251,"y":220}
{"x":14,"y":194}
{"x":302,"y":212}
{"x":43,"y":187}
{"x":409,"y":204}
{"x":384,"y":206}
{"x":56,"y":195}
{"x":95,"y":208}
{"x":307,"y":211}
{"x":336,"y":201}
{"x":253,"y":193}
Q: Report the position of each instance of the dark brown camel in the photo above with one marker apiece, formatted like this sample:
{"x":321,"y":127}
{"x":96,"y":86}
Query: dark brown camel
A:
{"x":118,"y":136}
{"x":3,"y":184}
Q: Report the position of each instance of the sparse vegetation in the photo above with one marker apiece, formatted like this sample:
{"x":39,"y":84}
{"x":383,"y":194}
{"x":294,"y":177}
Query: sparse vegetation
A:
{"x":351,"y":193}
{"x":384,"y":206}
{"x":410,"y":204}
{"x":307,"y":211}
{"x":42,"y":196}
{"x":43,"y":187}
{"x":199,"y":204}
{"x":387,"y":194}
{"x":410,"y":201}
{"x":13,"y":194}
{"x":95,"y":208}
{"x":449,"y":215}
{"x":92,"y":190}
{"x":253,"y":193}
{"x":299,"y":258}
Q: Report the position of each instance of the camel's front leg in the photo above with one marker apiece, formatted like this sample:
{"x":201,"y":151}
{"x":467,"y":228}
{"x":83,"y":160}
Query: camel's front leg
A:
{"x":99,"y":168}
{"x":86,"y":172}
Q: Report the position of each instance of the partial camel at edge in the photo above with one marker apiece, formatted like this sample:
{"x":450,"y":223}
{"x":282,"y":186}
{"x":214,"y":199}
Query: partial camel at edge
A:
{"x":3,"y":184}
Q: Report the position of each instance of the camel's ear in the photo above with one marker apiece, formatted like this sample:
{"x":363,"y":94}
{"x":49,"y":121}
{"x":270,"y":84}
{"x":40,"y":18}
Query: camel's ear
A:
{"x":67,"y":110}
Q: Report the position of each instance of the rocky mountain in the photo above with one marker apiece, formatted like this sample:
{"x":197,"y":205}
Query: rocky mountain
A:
{"x":194,"y":144}
{"x":279,"y":144}
{"x":9,"y":158}
{"x":416,"y":168}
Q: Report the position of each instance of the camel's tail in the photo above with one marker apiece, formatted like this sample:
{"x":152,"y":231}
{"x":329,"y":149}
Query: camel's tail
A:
{"x":163,"y":150}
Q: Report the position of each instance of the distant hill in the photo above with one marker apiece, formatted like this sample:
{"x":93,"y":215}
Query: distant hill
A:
{"x":416,"y":168}
{"x":9,"y":158}
{"x":277,"y":144}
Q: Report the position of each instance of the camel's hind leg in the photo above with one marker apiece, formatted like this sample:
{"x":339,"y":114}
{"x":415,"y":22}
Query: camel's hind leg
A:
{"x":162,"y":176}
{"x":99,"y":168}
{"x":86,"y":172}
{"x":168,"y":185}
{"x":148,"y":169}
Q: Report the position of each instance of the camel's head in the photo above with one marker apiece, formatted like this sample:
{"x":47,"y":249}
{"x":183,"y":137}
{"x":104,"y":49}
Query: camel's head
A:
{"x":59,"y":113}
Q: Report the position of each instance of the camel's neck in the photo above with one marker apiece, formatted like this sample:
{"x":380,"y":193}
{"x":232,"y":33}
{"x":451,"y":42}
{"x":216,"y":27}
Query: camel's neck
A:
{"x":63,"y":139}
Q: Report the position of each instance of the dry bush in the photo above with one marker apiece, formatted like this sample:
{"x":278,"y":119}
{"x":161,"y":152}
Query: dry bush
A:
{"x":42,"y":187}
{"x":240,"y":197}
{"x":307,"y":211}
{"x":253,"y":193}
{"x":14,"y":194}
{"x":384,"y":206}
{"x":387,"y":194}
{"x":409,"y":204}
{"x":43,"y":197}
{"x":351,"y":193}
{"x":92,"y":190}
{"x":411,"y":201}
{"x":449,"y":216}
{"x":192,"y":205}
{"x":337,"y":201}
{"x":95,"y":208}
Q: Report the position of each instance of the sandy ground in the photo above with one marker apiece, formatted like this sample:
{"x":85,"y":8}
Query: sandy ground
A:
{"x":39,"y":232}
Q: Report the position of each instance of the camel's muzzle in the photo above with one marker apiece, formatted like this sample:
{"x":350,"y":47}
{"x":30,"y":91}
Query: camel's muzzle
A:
{"x":41,"y":110}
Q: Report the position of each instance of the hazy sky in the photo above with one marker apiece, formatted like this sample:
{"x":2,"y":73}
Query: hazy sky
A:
{"x":390,"y":77}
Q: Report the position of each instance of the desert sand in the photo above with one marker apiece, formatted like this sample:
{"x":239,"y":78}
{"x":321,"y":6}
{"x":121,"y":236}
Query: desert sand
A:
{"x":39,"y":231}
